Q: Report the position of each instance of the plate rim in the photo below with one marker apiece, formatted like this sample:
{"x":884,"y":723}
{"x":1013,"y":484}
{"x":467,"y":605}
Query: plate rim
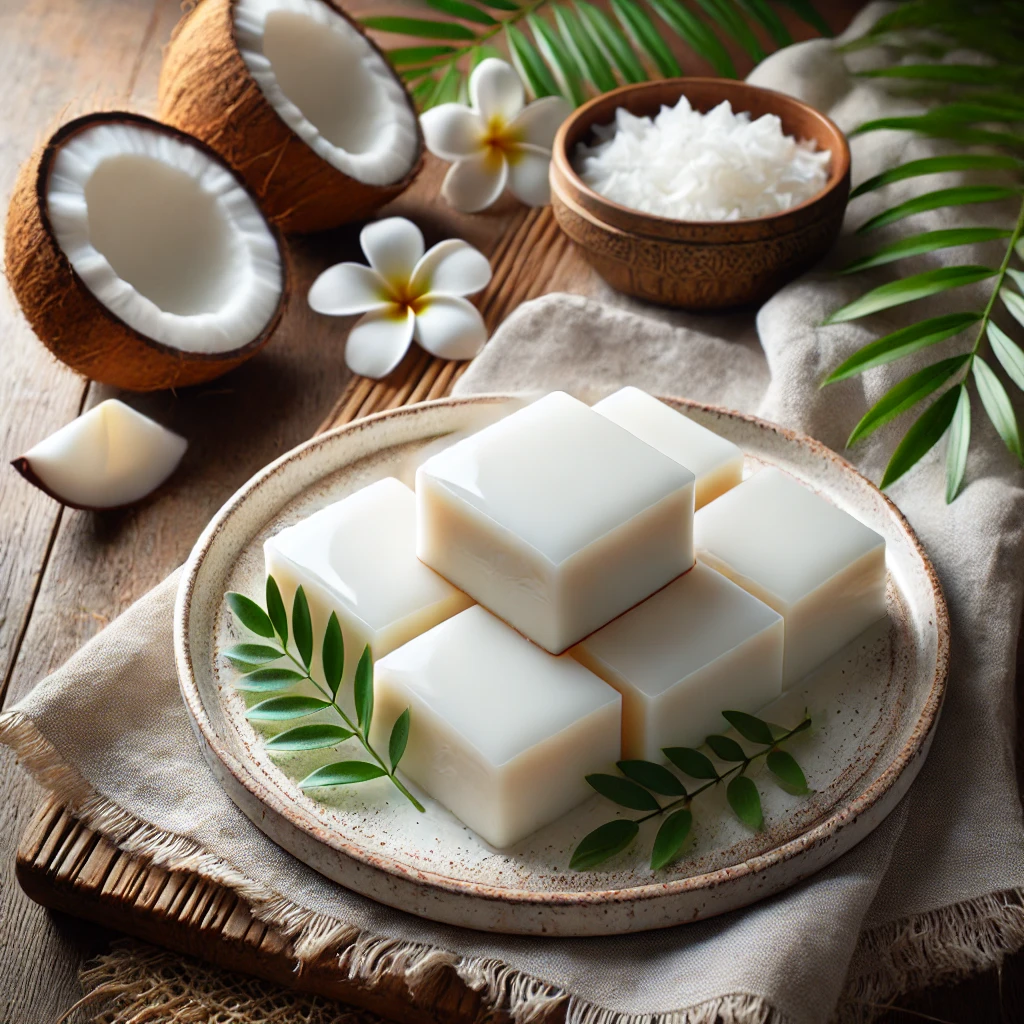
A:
{"x":916,"y":745}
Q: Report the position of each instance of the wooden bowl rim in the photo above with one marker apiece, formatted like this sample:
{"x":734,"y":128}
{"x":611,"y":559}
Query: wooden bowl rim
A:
{"x":598,"y":205}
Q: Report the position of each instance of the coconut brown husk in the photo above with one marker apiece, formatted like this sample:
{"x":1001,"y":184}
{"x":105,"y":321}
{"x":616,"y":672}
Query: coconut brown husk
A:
{"x":207,"y":91}
{"x":69,"y":320}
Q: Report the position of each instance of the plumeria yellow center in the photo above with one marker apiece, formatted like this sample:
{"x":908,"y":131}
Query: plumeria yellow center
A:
{"x":403,"y":298}
{"x":500,"y":141}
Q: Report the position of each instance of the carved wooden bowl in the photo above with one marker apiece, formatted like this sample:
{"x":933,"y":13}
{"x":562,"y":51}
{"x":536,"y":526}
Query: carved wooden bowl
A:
{"x":699,"y":264}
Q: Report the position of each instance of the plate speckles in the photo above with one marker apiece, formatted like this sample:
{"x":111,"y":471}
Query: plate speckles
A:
{"x":875,"y":706}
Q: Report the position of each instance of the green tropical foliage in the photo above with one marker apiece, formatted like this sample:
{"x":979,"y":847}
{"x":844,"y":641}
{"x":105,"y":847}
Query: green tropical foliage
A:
{"x":980,"y":109}
{"x":577,"y":49}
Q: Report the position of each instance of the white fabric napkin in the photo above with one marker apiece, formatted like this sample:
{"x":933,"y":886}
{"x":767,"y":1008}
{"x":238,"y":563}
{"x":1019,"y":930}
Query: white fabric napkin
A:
{"x":934,"y":893}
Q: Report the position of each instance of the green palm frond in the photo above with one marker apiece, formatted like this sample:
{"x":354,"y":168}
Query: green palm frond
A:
{"x":973,"y":107}
{"x":577,"y":49}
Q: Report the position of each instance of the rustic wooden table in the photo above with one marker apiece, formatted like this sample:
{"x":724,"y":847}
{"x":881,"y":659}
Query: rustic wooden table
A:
{"x":66,"y":574}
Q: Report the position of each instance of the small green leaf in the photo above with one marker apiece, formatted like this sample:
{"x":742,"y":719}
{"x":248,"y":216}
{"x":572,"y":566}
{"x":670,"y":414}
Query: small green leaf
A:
{"x":586,"y":51}
{"x":1014,"y":303}
{"x":929,"y":241}
{"x":670,"y":838}
{"x":559,"y":58}
{"x":925,"y":433}
{"x":268,"y":680}
{"x":422,"y":92}
{"x":342,"y":773}
{"x":723,"y":14}
{"x":959,"y":442}
{"x":333,"y":654}
{"x":460,"y":9}
{"x":309,"y":737}
{"x":808,"y":13}
{"x":906,"y":394}
{"x":692,"y":762}
{"x":275,"y":609}
{"x":909,"y":289}
{"x":960,"y":195}
{"x":937,"y":127}
{"x":745,"y":800}
{"x":530,"y":64}
{"x":399,"y":738}
{"x":749,"y":727}
{"x":250,"y":614}
{"x":802,"y":727}
{"x":939,"y":165}
{"x":278,"y":709}
{"x":364,"y":690}
{"x":1008,"y":352}
{"x":696,"y":35}
{"x":961,"y":74}
{"x":996,"y":403}
{"x":500,"y":5}
{"x":783,"y":765}
{"x":972,"y":111}
{"x":406,"y":55}
{"x":724,"y":748}
{"x":624,"y":792}
{"x":763,"y":13}
{"x":656,"y":777}
{"x":419,"y":28}
{"x":1017,"y":276}
{"x":636,"y":22}
{"x":250,"y":655}
{"x":613,"y":42}
{"x":902,"y":343}
{"x":1010,"y":101}
{"x":447,"y":90}
{"x":302,"y":627}
{"x":604,"y":842}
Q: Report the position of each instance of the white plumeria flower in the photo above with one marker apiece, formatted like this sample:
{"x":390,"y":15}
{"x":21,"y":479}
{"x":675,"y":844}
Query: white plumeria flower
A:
{"x":497,"y":141}
{"x":405,"y":293}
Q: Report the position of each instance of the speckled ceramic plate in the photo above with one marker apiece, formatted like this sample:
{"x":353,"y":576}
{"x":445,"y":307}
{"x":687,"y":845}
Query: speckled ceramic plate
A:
{"x":875,"y":706}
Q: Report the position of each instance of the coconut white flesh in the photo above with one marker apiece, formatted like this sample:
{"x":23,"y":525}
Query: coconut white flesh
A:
{"x":329,"y":85}
{"x":108,"y":457}
{"x":164,"y":237}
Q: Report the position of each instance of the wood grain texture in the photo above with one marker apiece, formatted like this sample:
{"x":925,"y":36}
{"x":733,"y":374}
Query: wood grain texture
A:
{"x":63,"y":576}
{"x":52,"y":70}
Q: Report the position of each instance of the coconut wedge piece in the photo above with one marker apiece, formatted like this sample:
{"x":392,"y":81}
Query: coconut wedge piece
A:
{"x":109,"y":457}
{"x":299,"y":101}
{"x":137,"y":256}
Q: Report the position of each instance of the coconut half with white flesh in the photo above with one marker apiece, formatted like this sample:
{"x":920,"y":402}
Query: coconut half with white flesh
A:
{"x":109,"y":457}
{"x":137,"y":256}
{"x":299,"y":101}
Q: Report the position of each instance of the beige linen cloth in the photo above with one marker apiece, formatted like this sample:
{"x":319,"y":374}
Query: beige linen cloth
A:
{"x":934,"y":893}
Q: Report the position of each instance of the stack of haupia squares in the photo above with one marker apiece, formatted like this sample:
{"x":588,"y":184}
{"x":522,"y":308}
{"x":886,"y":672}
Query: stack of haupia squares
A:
{"x":538,"y":605}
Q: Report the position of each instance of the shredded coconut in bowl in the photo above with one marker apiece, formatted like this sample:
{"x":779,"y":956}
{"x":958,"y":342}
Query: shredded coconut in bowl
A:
{"x":692,"y":166}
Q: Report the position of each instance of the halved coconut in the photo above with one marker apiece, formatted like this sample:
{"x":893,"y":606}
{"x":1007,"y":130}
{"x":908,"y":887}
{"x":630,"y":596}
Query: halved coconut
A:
{"x":138,"y":258}
{"x":299,"y":101}
{"x":109,"y":457}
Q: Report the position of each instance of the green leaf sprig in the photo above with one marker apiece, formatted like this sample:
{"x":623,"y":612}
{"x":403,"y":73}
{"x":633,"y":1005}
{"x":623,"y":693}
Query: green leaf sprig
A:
{"x":576,"y":49}
{"x":978,"y":105}
{"x":642,"y":782}
{"x":272,"y":625}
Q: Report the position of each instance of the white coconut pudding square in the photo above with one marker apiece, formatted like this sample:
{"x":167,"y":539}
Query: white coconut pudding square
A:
{"x":716,"y":463}
{"x":330,"y":85}
{"x":504,"y":733}
{"x":357,"y":558}
{"x":698,"y":646}
{"x":165,"y":237}
{"x":818,"y":566}
{"x":555,"y":519}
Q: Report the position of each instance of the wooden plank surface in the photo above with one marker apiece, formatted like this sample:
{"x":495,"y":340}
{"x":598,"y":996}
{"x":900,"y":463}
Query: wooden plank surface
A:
{"x":64,"y":575}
